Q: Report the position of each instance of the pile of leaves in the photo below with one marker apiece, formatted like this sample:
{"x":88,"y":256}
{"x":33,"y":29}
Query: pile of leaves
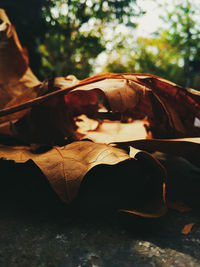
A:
{"x":105,"y":136}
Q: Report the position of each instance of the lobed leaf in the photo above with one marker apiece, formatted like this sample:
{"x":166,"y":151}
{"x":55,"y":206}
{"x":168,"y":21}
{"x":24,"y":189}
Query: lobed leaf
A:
{"x":69,"y":168}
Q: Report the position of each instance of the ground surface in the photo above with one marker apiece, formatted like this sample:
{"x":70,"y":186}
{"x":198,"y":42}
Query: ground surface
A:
{"x":48,"y":238}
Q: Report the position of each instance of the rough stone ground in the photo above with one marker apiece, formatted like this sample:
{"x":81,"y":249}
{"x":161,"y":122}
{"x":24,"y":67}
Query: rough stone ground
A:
{"x":58,"y":237}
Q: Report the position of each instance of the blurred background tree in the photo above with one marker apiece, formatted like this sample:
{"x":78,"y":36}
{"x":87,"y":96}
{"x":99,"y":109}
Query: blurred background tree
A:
{"x":183,"y":34}
{"x":75,"y":35}
{"x":172,"y":52}
{"x":85,"y":37}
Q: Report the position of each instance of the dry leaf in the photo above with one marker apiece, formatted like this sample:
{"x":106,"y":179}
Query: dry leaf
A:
{"x":13,"y":59}
{"x":49,"y":124}
{"x":181,"y":185}
{"x":63,"y":82}
{"x":71,"y":167}
{"x":107,"y":131}
{"x":15,"y":75}
{"x":187,"y":228}
{"x":121,"y":94}
{"x":17,"y":82}
{"x":136,"y":96}
{"x":188,"y":148}
{"x":45,"y":114}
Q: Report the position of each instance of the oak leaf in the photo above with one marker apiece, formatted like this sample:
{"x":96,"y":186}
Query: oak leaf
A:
{"x":88,"y":167}
{"x":135,"y":96}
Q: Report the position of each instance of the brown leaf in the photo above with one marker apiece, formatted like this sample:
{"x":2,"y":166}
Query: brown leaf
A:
{"x":185,"y":147}
{"x":136,"y":96}
{"x":182,"y":105}
{"x":13,"y":59}
{"x":15,"y":75}
{"x":107,"y":131}
{"x":121,"y":94}
{"x":64,"y":82}
{"x":71,"y":167}
{"x":187,"y":228}
{"x":65,"y":167}
{"x":79,"y":102}
{"x":49,"y":124}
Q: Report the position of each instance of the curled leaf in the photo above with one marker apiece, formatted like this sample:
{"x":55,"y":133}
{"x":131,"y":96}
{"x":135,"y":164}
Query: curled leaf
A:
{"x":17,"y":82}
{"x":13,"y":59}
{"x":90,"y":169}
{"x":107,"y":131}
{"x":162,"y":104}
{"x":49,"y":123}
{"x":188,"y":148}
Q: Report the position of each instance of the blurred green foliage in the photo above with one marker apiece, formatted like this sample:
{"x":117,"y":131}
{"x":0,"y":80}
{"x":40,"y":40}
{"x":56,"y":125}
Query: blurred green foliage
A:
{"x":183,"y":34}
{"x":154,"y":56}
{"x":172,"y":52}
{"x":75,"y":33}
{"x":68,"y":36}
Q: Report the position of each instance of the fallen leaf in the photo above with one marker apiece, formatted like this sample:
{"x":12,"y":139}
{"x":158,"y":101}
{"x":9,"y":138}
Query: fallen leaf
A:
{"x":188,"y":148}
{"x":182,"y":105}
{"x":49,"y":124}
{"x":187,"y":228}
{"x":45,"y":113}
{"x":17,"y":82}
{"x":121,"y":94}
{"x":107,"y":131}
{"x":183,"y":183}
{"x":89,"y":167}
{"x":136,"y":96}
{"x":86,"y":125}
{"x":15,"y":74}
{"x":13,"y":59}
